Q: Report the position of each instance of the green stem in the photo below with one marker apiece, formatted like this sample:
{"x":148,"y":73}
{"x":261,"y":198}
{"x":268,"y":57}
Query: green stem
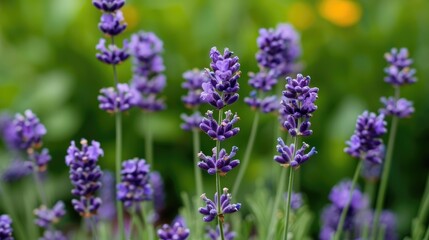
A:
{"x":218,"y":186}
{"x":39,"y":187}
{"x":147,"y":224}
{"x":426,"y":237}
{"x":370,"y":190}
{"x":424,"y":207}
{"x":279,"y":195}
{"x":93,"y":225}
{"x":289,"y":196}
{"x":247,"y":154}
{"x":118,"y":155}
{"x":197,"y":171}
{"x":386,"y":170}
{"x":9,"y":207}
{"x":148,"y":139}
{"x":346,"y":208}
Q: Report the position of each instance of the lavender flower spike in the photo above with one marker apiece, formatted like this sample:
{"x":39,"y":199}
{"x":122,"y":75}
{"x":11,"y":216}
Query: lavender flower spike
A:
{"x":399,"y":72}
{"x":112,"y":24}
{"x":134,"y":186}
{"x":227,"y":231}
{"x":193,"y":83}
{"x":191,"y":121}
{"x":26,"y":131}
{"x":223,"y":131}
{"x":366,"y":142}
{"x":114,"y":100}
{"x":401,"y":108}
{"x":223,"y":164}
{"x":210,"y":210}
{"x":176,"y":232}
{"x":45,"y":217}
{"x":223,"y":86}
{"x":108,"y":5}
{"x":85,"y":176}
{"x":286,"y":157}
{"x":111,"y":54}
{"x":5,"y":227}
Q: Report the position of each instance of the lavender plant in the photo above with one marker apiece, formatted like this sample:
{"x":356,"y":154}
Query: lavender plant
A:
{"x":399,"y":73}
{"x":177,"y":231}
{"x":220,"y":92}
{"x":5,"y":227}
{"x":46,"y":218}
{"x":118,"y":99}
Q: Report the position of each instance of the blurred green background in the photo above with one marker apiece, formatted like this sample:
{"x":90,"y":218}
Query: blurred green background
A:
{"x":48,"y":64}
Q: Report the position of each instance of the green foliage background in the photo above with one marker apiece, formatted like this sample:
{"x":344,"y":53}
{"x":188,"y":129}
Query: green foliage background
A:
{"x":48,"y":64}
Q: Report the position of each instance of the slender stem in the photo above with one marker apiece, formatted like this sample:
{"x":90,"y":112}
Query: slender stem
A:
{"x":426,"y":237}
{"x":197,"y":171}
{"x":147,"y":224}
{"x":365,"y":230}
{"x":279,"y":195}
{"x":148,"y":139}
{"x":118,"y":155}
{"x":424,"y":207}
{"x":93,"y":225}
{"x":247,"y":154}
{"x":136,"y":221}
{"x":346,"y":208}
{"x":381,"y":233}
{"x":218,"y":186}
{"x":370,"y":190}
{"x":39,"y":187}
{"x":289,"y":196}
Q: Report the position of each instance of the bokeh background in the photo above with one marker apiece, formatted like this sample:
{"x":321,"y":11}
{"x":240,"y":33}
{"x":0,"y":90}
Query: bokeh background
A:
{"x":48,"y":64}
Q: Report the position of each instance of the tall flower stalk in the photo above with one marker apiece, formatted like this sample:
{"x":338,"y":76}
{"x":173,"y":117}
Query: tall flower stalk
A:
{"x":399,"y":74}
{"x":220,"y":91}
{"x":117,"y":99}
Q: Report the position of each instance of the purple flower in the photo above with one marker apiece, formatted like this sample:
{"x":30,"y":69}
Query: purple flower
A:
{"x":134,"y":186}
{"x":295,"y":201}
{"x":53,"y":235}
{"x":25,"y":132}
{"x":16,"y":170}
{"x":222,"y":131}
{"x":108,"y":5}
{"x":401,"y":108}
{"x":278,"y":49}
{"x":107,"y":210}
{"x":288,"y":156}
{"x":223,"y":86}
{"x":112,"y":23}
{"x":222,"y":164}
{"x":114,"y":100}
{"x":371,"y":171}
{"x":85,"y":176}
{"x":41,"y":159}
{"x":215,"y":234}
{"x":193,"y":83}
{"x":144,"y":85}
{"x":263,"y":80}
{"x":340,"y":196}
{"x":5,"y":227}
{"x":46,"y":217}
{"x":191,"y":121}
{"x":175,"y":232}
{"x":112,"y":54}
{"x":265,"y":105}
{"x":366,"y":142}
{"x":399,"y":72}
{"x":210,"y":210}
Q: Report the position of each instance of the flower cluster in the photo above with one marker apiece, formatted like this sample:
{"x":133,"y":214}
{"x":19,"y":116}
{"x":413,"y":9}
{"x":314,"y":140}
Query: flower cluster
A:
{"x":134,"y":186}
{"x":265,"y":105}
{"x":289,"y":156}
{"x":298,"y":105}
{"x":177,"y":231}
{"x":223,"y":86}
{"x":24,"y":133}
{"x":46,"y":218}
{"x":399,"y":74}
{"x":366,"y":142}
{"x":223,"y":130}
{"x":219,"y":164}
{"x":114,"y":100}
{"x":16,"y":170}
{"x":296,"y":200}
{"x":340,"y":197}
{"x":5,"y":227}
{"x":148,"y":65}
{"x":210,"y":211}
{"x":111,"y":23}
{"x":213,"y":234}
{"x":193,"y":83}
{"x":85,"y":176}
{"x":278,"y":49}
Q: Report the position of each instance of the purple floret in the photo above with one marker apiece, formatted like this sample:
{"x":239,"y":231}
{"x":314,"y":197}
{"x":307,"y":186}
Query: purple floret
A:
{"x":108,"y":5}
{"x":111,"y":54}
{"x":6,"y":227}
{"x":227,"y":232}
{"x":399,"y":72}
{"x":112,"y":24}
{"x":401,"y":108}
{"x":193,"y":83}
{"x":210,"y":210}
{"x":288,"y":156}
{"x":222,"y":164}
{"x":177,"y":231}
{"x":222,"y":131}
{"x":117,"y":99}
{"x":191,"y":121}
{"x":46,"y":217}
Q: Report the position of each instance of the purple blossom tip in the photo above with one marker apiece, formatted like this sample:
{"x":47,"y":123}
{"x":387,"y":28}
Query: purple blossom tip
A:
{"x":210,"y":210}
{"x":46,"y":217}
{"x":227,"y":232}
{"x":193,"y":83}
{"x":117,"y":99}
{"x":24,"y":132}
{"x":401,"y":108}
{"x":108,"y":5}
{"x":177,"y":231}
{"x":112,"y":23}
{"x":263,"y":80}
{"x":6,"y":227}
{"x":221,"y":131}
{"x":191,"y":121}
{"x":296,"y":200}
{"x":111,"y":54}
{"x":221,"y":164}
{"x":289,"y":156}
{"x":399,"y":72}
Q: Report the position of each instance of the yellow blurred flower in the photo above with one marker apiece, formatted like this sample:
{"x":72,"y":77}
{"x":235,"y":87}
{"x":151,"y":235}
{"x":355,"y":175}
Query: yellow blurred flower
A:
{"x":131,"y":16}
{"x":341,"y":12}
{"x":301,"y":15}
